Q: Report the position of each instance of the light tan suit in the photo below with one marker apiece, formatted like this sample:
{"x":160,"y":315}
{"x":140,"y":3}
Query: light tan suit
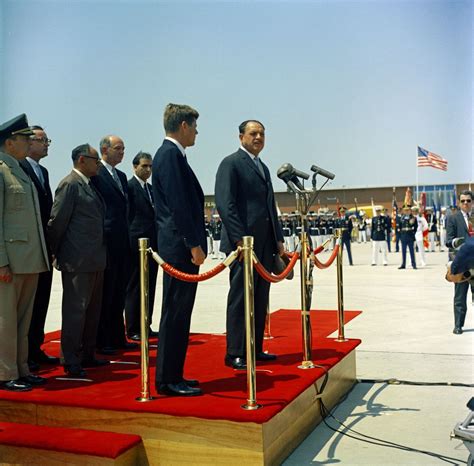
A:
{"x":23,"y":250}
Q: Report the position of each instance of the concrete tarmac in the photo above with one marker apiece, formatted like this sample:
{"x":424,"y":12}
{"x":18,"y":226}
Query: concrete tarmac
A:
{"x":406,"y":332}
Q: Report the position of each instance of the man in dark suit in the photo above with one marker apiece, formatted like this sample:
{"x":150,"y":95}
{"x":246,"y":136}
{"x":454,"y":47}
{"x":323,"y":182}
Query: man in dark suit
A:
{"x":76,"y":238}
{"x":113,"y":187}
{"x":246,"y":204}
{"x":142,"y":225}
{"x":40,"y":178}
{"x":459,"y":225}
{"x":179,"y":207}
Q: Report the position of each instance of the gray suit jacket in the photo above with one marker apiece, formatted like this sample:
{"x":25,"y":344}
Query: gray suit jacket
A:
{"x":22,"y":244}
{"x":456,"y":228}
{"x":76,"y":227}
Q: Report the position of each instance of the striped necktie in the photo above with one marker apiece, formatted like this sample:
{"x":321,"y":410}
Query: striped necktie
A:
{"x":259,"y":166}
{"x":117,"y":179}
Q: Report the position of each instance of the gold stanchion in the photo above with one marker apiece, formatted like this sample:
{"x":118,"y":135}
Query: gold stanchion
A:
{"x":340,"y":290}
{"x":307,"y":363}
{"x":145,"y":370}
{"x":250,"y":325}
{"x":267,"y":334}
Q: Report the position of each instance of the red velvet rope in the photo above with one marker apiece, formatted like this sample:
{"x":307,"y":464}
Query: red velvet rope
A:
{"x":325,"y":265}
{"x":270,"y":277}
{"x":319,"y":249}
{"x":188,"y":277}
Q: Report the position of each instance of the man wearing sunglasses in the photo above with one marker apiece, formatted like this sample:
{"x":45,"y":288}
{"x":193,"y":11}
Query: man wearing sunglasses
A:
{"x":460,"y":225}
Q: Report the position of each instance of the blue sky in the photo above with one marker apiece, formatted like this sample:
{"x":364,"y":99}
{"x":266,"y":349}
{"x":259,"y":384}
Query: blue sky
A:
{"x":351,"y":86}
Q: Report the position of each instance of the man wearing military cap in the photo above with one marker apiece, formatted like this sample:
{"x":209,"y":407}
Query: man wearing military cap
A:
{"x":23,"y":255}
{"x":345,"y":224}
{"x":407,"y":227}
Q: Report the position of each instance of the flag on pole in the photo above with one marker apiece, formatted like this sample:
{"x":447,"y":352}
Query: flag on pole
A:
{"x":428,"y":159}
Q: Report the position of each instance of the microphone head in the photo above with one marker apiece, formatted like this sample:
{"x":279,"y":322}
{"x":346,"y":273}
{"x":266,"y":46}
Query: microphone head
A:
{"x":285,"y":171}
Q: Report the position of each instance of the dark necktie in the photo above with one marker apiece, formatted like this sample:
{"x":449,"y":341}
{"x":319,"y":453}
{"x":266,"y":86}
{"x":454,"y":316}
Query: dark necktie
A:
{"x":259,"y":166}
{"x":146,"y":187}
{"x":117,"y":179}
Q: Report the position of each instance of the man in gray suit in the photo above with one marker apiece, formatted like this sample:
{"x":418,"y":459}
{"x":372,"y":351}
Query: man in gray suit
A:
{"x":459,"y":225}
{"x":23,"y":256}
{"x":76,"y":238}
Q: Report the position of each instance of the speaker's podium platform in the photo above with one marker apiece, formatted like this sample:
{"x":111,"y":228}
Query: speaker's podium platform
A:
{"x":209,"y":429}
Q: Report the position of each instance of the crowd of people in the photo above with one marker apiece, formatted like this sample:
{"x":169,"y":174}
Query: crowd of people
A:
{"x":89,"y":232}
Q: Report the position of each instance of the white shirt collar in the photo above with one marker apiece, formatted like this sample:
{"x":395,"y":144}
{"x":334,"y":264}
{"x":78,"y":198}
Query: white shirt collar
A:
{"x":33,"y":162}
{"x":253,"y":157}
{"x":142,"y":183}
{"x":84,"y":177}
{"x":178,"y":145}
{"x":107,"y":165}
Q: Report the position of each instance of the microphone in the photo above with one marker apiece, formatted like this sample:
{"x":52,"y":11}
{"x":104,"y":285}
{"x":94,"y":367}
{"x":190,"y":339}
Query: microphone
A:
{"x":288,"y":174}
{"x":321,"y":171}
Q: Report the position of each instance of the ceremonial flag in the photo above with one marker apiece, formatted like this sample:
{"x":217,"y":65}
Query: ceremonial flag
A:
{"x":428,"y":159}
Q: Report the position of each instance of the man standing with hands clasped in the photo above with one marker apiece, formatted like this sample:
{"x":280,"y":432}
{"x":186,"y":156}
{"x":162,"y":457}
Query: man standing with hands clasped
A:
{"x":179,"y":207}
{"x":246,"y":204}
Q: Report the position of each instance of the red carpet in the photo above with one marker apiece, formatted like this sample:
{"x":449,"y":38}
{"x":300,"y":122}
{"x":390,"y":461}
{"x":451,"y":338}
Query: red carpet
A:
{"x":115,"y":387}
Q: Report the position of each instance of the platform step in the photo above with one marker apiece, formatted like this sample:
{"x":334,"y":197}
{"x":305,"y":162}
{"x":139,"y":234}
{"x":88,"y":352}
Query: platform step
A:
{"x":28,"y":444}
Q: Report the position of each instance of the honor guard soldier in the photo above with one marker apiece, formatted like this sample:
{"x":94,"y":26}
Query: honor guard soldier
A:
{"x":432,"y":228}
{"x":379,"y":232}
{"x":407,"y":227}
{"x":345,"y":225}
{"x":330,"y":225}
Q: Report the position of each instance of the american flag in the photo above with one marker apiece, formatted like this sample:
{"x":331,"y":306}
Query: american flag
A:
{"x":428,"y":159}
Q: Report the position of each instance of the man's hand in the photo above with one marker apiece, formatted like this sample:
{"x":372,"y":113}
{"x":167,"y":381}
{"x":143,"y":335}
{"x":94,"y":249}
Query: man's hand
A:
{"x":281,"y":248}
{"x":455,"y":278}
{"x":5,"y":274}
{"x":198,"y":255}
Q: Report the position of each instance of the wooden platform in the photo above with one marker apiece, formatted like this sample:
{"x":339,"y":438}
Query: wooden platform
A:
{"x":190,"y":440}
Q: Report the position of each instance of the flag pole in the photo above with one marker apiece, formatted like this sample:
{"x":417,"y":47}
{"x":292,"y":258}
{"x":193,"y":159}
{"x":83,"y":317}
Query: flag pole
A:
{"x":417,"y":175}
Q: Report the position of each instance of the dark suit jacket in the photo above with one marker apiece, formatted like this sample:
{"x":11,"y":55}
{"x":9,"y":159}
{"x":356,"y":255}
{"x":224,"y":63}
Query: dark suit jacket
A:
{"x":141,"y":215}
{"x":116,"y":217}
{"x":456,"y":228}
{"x":45,"y":196}
{"x":245,"y":201}
{"x":76,"y":227}
{"x":179,"y":205}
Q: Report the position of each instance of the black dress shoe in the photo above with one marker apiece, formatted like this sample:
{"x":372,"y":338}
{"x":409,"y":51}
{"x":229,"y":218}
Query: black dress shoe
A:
{"x":235,"y":362}
{"x":33,"y":366}
{"x":265,"y":356}
{"x":401,"y":267}
{"x":128,"y":345}
{"x":33,"y":379}
{"x":178,"y":389}
{"x":15,"y":386}
{"x":95,"y":362}
{"x":153,"y":334}
{"x":75,"y":370}
{"x":191,"y":382}
{"x":457,"y":330}
{"x":134,"y":337}
{"x":107,"y":350}
{"x":43,"y":358}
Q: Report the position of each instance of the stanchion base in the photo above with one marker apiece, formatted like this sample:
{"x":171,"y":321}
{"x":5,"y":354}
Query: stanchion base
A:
{"x":341,"y":340}
{"x":142,"y":399}
{"x":307,"y":365}
{"x":268,"y":337}
{"x":248,"y":407}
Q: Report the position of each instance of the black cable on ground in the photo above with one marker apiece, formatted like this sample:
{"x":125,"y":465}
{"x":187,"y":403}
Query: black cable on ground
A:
{"x":374,"y":440}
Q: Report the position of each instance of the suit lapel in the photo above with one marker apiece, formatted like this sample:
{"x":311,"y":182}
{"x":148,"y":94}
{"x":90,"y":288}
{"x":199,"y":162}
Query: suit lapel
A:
{"x":106,"y":175}
{"x":250,"y":163}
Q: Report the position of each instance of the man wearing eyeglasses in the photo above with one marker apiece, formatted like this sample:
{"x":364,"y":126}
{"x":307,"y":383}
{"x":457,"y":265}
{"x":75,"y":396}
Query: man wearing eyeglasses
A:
{"x":77,"y":241}
{"x":23,"y":256}
{"x":39,"y":144}
{"x":459,"y":225}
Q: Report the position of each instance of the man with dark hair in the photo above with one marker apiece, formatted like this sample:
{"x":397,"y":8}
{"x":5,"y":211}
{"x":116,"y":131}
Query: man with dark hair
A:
{"x":113,"y":187}
{"x":142,"y":225}
{"x":345,"y":224}
{"x":460,"y":225}
{"x":179,"y":207}
{"x":246,"y":204}
{"x":407,"y":227}
{"x":23,"y":255}
{"x":40,"y":178}
{"x":76,"y":237}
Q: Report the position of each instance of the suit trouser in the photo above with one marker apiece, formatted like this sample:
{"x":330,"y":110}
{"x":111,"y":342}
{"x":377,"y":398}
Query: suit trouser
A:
{"x":16,"y":298}
{"x":346,"y":241}
{"x":111,"y":331}
{"x":411,"y":248}
{"x":460,"y":306}
{"x":132,"y":299}
{"x":236,"y":340}
{"x":175,"y":323}
{"x":38,"y":317}
{"x":81,"y":304}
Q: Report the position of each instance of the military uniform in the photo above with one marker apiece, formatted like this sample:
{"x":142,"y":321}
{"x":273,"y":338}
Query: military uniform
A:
{"x":379,"y":232}
{"x":407,"y":227}
{"x":345,"y":225}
